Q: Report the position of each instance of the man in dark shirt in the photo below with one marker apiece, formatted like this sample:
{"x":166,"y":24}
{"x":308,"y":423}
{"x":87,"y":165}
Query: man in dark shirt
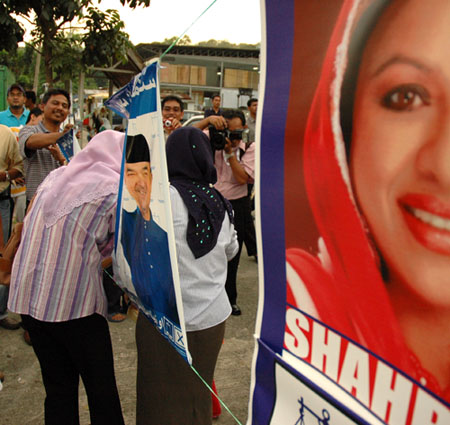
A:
{"x":215,"y":110}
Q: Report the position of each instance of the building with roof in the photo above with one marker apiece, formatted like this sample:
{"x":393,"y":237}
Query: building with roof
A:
{"x":196,"y":73}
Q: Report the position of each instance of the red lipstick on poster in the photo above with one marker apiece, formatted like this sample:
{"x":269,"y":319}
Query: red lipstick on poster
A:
{"x":428,"y":219}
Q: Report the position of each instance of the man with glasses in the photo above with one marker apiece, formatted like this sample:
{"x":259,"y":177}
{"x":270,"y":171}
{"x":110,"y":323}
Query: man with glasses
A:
{"x":172,"y":114}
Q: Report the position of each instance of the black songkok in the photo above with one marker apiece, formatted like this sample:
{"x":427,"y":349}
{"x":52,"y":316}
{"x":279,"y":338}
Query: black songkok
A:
{"x":137,"y":149}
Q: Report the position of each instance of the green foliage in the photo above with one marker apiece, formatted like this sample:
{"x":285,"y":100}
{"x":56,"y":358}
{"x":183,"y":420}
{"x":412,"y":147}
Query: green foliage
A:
{"x":105,"y":40}
{"x":227,"y":44}
{"x":134,"y":3}
{"x":67,"y":56}
{"x":11,"y":32}
{"x":183,"y":41}
{"x":101,"y":42}
{"x":20,"y":63}
{"x":186,"y":41}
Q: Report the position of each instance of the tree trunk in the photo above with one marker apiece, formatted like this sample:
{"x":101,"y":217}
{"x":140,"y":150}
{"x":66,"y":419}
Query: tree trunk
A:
{"x":36,"y":73}
{"x":81,"y":96}
{"x":47,"y":53}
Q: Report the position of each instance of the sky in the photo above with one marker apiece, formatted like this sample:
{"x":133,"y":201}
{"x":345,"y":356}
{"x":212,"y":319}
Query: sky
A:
{"x":237,"y":21}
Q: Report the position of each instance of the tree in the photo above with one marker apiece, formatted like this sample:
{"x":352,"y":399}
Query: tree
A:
{"x":11,"y":32}
{"x":227,"y":44}
{"x":183,"y":41}
{"x":98,"y":38}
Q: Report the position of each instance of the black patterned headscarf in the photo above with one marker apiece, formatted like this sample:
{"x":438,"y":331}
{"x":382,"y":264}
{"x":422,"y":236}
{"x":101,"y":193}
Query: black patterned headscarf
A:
{"x":192,"y":172}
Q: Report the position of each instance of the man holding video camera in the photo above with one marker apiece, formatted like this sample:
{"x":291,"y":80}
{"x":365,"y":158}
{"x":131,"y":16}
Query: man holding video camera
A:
{"x":235,"y":165}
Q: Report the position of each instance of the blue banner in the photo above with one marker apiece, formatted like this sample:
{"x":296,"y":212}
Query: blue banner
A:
{"x":138,"y":97}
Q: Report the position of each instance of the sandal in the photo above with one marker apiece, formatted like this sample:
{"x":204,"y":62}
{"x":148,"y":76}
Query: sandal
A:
{"x":116,"y":317}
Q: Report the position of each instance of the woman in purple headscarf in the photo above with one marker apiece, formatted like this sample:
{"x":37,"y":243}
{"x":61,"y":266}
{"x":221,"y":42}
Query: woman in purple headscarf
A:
{"x":56,"y":282}
{"x":206,"y":241}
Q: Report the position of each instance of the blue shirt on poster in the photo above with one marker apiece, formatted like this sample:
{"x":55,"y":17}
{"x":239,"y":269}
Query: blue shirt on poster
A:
{"x":146,"y":249}
{"x":10,"y":120}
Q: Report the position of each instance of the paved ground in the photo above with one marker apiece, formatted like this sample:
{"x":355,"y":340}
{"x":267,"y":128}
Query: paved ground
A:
{"x":22,"y":397}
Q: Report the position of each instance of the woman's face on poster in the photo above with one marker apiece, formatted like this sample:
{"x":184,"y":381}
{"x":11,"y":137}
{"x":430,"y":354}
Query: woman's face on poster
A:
{"x":400,"y":148}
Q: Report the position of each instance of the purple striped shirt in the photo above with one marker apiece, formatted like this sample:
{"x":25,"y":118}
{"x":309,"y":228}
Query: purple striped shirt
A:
{"x":56,"y":274}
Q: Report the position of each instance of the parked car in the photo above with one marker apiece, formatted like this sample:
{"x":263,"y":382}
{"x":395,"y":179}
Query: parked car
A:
{"x":188,"y":114}
{"x":192,"y":120}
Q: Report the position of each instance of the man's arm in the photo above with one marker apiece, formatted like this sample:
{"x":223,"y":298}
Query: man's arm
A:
{"x":215,"y":120}
{"x":238,"y":170}
{"x":57,"y":154}
{"x":42,"y":140}
{"x":14,"y":161}
{"x":12,"y":173}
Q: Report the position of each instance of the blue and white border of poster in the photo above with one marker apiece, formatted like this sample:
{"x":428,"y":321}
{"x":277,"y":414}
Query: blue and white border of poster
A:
{"x":139,"y":102}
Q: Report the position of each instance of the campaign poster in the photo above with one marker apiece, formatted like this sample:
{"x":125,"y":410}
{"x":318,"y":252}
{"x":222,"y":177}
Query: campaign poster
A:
{"x":68,"y":145}
{"x":144,"y":256}
{"x":354,"y":202}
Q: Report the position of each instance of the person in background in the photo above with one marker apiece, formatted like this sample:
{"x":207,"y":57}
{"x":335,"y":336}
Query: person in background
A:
{"x":250,"y":236}
{"x":38,"y":142}
{"x":172,"y":112}
{"x":235,"y":166}
{"x":215,"y":110}
{"x":35,"y":116}
{"x":56,"y":282}
{"x":100,"y":120}
{"x":168,"y":391}
{"x":117,"y":301}
{"x":30,"y":100}
{"x":11,"y":167}
{"x":16,"y":115}
{"x":252,"y":106}
{"x":18,"y":188}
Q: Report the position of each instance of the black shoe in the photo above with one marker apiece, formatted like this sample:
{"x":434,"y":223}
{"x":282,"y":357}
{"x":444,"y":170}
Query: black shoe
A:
{"x":235,"y":310}
{"x":9,"y":323}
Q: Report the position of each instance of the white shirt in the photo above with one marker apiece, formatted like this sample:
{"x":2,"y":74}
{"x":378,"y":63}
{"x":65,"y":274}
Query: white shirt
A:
{"x":205,"y":301}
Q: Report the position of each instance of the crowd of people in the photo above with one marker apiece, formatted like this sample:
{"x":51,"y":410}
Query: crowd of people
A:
{"x":57,"y":284}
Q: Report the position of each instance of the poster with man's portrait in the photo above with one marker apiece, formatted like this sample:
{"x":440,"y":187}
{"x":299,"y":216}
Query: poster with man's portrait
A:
{"x":145,"y":258}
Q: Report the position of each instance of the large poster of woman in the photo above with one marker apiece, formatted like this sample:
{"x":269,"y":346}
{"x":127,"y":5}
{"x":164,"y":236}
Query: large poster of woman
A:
{"x":366,"y":316}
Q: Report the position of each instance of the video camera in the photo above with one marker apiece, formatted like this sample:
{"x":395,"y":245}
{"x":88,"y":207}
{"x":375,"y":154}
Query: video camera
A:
{"x":218,"y":137}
